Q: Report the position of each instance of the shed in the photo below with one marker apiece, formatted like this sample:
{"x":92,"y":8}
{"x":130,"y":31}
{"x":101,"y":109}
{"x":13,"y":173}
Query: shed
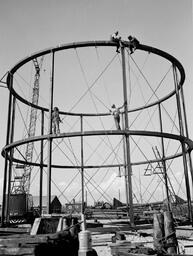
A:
{"x":117,"y":203}
{"x":175,"y":199}
{"x":55,"y":206}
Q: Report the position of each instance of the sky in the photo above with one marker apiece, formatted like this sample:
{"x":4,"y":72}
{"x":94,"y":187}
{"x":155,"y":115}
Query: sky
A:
{"x":30,"y":26}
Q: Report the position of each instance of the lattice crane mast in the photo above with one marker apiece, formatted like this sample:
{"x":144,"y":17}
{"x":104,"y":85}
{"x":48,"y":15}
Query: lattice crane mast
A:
{"x":24,"y":179}
{"x":160,"y":166}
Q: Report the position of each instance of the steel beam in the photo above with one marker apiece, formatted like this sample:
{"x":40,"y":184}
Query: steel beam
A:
{"x":10,"y":84}
{"x":127,"y":142}
{"x":49,"y":168}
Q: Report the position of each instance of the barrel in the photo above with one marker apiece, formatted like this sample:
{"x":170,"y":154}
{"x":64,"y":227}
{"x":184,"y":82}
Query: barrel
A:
{"x":85,"y":241}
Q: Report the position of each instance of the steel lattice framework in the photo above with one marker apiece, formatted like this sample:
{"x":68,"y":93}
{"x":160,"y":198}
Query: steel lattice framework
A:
{"x":182,"y":138}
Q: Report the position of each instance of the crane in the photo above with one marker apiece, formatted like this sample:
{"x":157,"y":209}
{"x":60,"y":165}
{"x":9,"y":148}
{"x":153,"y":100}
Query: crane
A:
{"x":21,"y":184}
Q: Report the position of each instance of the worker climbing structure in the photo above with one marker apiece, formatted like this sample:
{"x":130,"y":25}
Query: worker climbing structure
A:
{"x":147,"y":159}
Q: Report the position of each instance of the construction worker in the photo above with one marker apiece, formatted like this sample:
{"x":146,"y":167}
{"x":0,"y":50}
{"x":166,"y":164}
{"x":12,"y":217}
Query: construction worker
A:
{"x":116,"y":113}
{"x":56,"y":120}
{"x":116,"y":38}
{"x":133,"y":43}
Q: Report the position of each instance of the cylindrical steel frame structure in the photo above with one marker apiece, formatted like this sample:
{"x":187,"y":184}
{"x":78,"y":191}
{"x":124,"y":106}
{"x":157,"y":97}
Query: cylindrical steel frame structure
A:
{"x":187,"y":144}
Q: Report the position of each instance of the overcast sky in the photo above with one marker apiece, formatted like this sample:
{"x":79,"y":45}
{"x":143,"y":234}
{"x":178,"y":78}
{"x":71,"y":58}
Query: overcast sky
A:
{"x":28,"y":26}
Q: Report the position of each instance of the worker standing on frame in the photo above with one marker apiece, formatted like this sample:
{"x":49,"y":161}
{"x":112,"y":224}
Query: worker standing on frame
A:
{"x":56,"y":120}
{"x":116,"y":113}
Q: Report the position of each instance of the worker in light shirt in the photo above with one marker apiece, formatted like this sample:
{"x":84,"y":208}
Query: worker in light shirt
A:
{"x":116,"y":113}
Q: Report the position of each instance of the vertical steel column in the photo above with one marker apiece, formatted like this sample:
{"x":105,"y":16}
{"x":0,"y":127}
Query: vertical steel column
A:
{"x":10,"y":161}
{"x":41,"y":161}
{"x":184,"y":111}
{"x":182,"y":143}
{"x":163,"y":160}
{"x":49,"y":168}
{"x":128,"y":160}
{"x":187,"y":133}
{"x":125,"y":169}
{"x":10,"y":85}
{"x":82,"y":176}
{"x":141,"y":198}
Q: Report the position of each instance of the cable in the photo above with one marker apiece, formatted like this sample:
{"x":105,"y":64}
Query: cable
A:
{"x":107,"y":93}
{"x":87,"y":174}
{"x":137,"y":81}
{"x":92,"y":84}
{"x":140,"y":138}
{"x":85,"y":79}
{"x":1,"y":80}
{"x":154,"y":91}
{"x":102,"y":140}
{"x":102,"y":178}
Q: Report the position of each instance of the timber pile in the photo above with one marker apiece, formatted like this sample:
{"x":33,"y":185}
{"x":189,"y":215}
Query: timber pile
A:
{"x":165,"y":240}
{"x":60,"y":243}
{"x":126,"y":248}
{"x":106,"y":214}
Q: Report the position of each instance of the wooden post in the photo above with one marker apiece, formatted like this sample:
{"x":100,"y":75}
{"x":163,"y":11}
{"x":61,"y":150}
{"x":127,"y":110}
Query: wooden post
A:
{"x":158,"y":231}
{"x":170,"y":234}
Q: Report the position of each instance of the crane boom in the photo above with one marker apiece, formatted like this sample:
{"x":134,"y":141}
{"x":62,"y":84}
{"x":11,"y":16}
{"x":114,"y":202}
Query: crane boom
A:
{"x":24,"y":181}
{"x":32,"y":128}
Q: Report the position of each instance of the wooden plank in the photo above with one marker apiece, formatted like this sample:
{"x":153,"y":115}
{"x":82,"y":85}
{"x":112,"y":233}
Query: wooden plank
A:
{"x":54,"y":244}
{"x":35,"y":226}
{"x":17,"y":251}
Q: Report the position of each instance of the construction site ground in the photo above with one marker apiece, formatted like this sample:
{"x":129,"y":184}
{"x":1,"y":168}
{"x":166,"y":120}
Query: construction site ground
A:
{"x":102,"y":236}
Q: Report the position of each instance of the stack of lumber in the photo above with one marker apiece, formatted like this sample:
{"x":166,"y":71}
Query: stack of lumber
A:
{"x":126,"y":248}
{"x":60,"y":243}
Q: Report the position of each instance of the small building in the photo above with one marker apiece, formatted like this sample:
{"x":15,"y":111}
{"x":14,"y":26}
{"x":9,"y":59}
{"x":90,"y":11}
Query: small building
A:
{"x":20,"y":204}
{"x":56,"y":206}
{"x":174,"y":199}
{"x":74,"y":207}
{"x":117,"y":203}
